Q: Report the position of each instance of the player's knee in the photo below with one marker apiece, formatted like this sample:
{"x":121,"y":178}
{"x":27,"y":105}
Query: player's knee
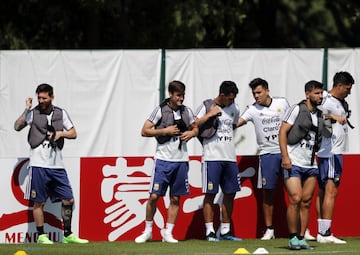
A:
{"x":68,"y":201}
{"x":175,"y":200}
{"x":295,"y":199}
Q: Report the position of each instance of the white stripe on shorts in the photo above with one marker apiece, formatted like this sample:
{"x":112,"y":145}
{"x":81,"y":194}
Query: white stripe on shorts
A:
{"x":28,"y":184}
{"x":331,"y":167}
{"x":204,"y":177}
{"x":259,"y":181}
{"x":152,"y":176}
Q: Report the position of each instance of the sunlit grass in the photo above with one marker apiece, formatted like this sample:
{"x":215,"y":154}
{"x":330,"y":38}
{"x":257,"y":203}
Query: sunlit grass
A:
{"x":277,"y":246}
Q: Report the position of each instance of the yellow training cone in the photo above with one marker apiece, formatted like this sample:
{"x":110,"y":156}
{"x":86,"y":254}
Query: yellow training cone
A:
{"x":241,"y":251}
{"x":20,"y":253}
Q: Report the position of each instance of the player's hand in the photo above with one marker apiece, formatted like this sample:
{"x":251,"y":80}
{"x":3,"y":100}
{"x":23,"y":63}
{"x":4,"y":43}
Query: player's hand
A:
{"x":342,"y":120}
{"x":172,"y":130}
{"x":29,"y":102}
{"x":187,"y":135}
{"x":58,"y":135}
{"x":286,"y":163}
{"x":215,"y":110}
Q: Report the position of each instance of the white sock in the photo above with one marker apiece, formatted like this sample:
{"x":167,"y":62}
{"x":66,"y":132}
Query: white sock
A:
{"x":323,"y":226}
{"x":169,"y":228}
{"x":148,"y":226}
{"x":224,"y":228}
{"x":209,"y":227}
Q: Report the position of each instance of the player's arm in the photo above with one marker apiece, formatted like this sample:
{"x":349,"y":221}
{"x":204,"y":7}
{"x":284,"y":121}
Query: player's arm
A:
{"x":69,"y":134}
{"x":214,"y":111}
{"x":20,"y":123}
{"x":148,"y":130}
{"x":283,"y":140}
{"x":336,"y":118}
{"x":241,"y":122}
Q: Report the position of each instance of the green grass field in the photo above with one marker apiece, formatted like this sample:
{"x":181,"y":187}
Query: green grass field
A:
{"x":189,"y":247}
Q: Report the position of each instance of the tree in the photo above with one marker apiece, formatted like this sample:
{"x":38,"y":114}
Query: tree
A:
{"x":128,"y":24}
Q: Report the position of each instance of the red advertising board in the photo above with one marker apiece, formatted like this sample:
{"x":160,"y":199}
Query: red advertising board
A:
{"x":114,"y":192}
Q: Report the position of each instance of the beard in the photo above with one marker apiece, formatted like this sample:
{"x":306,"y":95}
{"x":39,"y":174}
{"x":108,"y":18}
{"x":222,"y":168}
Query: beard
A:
{"x":45,"y":108}
{"x":315,"y":103}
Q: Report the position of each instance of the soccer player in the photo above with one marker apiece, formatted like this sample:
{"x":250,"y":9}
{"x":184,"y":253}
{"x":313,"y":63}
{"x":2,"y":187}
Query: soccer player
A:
{"x":219,"y":116}
{"x":172,"y":124}
{"x":266,"y":115}
{"x":330,"y":154}
{"x":49,"y":126}
{"x":299,"y":138}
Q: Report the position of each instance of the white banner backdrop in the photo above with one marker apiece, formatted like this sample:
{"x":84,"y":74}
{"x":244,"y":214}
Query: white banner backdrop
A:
{"x":286,"y":70}
{"x":106,"y":93}
{"x":109,"y":94}
{"x":348,"y":60}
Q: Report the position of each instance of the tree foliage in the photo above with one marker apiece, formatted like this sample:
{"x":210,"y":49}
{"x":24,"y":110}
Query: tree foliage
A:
{"x":129,"y":24}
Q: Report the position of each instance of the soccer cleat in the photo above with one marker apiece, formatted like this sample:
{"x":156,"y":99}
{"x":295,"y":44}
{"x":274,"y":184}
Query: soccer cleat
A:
{"x":44,"y":239}
{"x":73,"y":239}
{"x":229,"y":237}
{"x":269,"y":234}
{"x":337,"y":240}
{"x":308,"y":236}
{"x":304,"y":245}
{"x":167,"y":237}
{"x":211,"y":237}
{"x":294,"y":244}
{"x":329,"y":239}
{"x":144,"y":237}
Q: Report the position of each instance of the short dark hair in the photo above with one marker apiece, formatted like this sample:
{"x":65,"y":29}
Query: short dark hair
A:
{"x":258,"y":81}
{"x":176,"y":86}
{"x":343,"y":78}
{"x":310,"y":85}
{"x":44,"y":87}
{"x":228,"y":87}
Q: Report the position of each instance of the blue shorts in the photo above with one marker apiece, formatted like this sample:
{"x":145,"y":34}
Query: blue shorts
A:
{"x":269,"y":170}
{"x":170,"y":174}
{"x":330,"y":168}
{"x":220,"y":173}
{"x":46,"y":182}
{"x":300,"y":172}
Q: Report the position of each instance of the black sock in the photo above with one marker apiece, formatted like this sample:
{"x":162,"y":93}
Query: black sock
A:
{"x":292,"y":235}
{"x":66,"y":213}
{"x":40,"y":230}
{"x":270,"y":227}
